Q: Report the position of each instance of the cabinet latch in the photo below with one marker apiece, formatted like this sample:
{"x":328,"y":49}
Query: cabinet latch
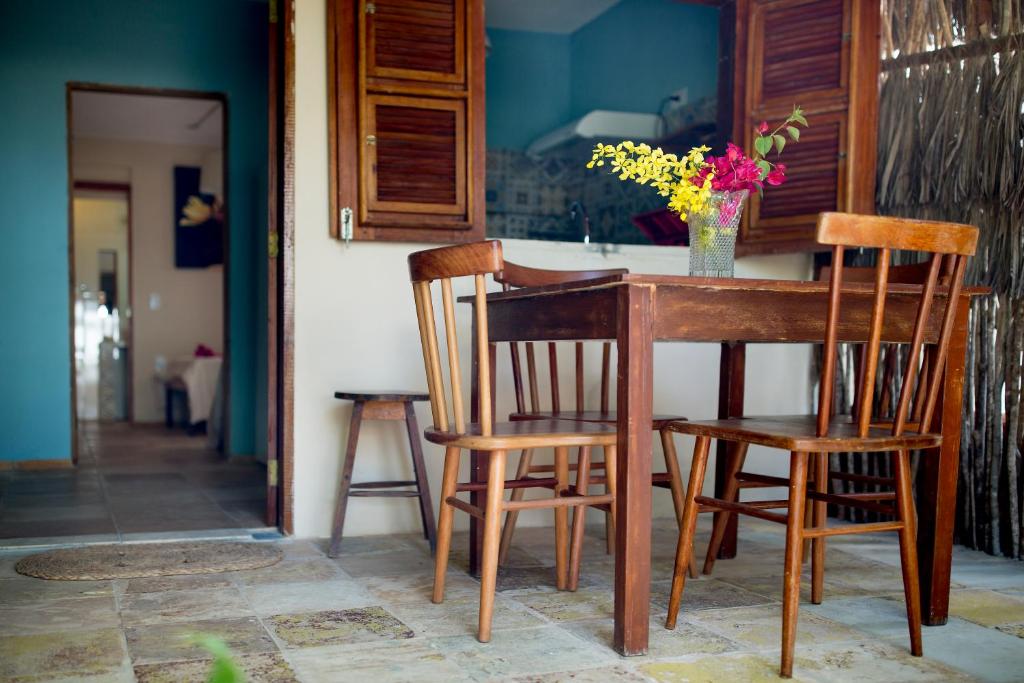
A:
{"x":346,"y":224}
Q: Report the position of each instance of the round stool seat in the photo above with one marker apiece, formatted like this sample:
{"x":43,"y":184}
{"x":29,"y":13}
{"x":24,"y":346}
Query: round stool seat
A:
{"x":382,"y":395}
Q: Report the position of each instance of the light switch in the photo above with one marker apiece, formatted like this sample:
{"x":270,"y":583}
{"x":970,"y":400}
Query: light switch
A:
{"x":155,"y":302}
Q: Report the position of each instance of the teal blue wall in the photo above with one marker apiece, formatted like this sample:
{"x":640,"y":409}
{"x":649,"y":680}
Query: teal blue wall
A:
{"x":639,"y":51}
{"x":214,"y":45}
{"x":527,"y":86}
{"x":626,"y":59}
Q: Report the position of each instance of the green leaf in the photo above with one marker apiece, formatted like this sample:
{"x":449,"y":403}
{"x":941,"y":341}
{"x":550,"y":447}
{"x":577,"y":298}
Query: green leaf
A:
{"x":764,"y":166}
{"x":763,"y":145}
{"x":780,"y":142}
{"x":798,"y":116}
{"x":794,"y":133}
{"x":224,"y":668}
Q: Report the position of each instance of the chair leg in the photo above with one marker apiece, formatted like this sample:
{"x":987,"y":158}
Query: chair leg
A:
{"x":420,"y":471}
{"x":610,"y":476}
{"x":675,"y":482}
{"x":579,"y":520}
{"x":561,"y":519}
{"x":818,"y":512}
{"x":794,"y":549}
{"x":731,"y":494}
{"x":445,"y":515}
{"x":908,"y":549}
{"x":684,"y":547}
{"x":346,"y":479}
{"x":525,"y":459}
{"x":492,"y":537}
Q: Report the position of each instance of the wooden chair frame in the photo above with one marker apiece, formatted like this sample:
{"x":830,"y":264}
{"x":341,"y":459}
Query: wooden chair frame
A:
{"x":494,"y":439}
{"x":810,"y":439}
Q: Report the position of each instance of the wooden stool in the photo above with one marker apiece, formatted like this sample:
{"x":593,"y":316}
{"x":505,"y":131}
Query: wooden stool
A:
{"x":383,"y":405}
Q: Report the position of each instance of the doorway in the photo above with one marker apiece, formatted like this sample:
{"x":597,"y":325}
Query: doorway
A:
{"x":148,"y":265}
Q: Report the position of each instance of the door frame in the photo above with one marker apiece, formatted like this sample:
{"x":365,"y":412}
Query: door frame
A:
{"x":281,"y":265}
{"x":80,"y":86}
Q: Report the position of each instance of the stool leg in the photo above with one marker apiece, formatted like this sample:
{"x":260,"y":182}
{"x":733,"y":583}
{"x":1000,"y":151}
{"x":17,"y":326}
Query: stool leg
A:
{"x":525,"y":458}
{"x":610,"y":476}
{"x":492,"y":537}
{"x":675,"y":480}
{"x":420,"y":470}
{"x":579,"y":518}
{"x":561,"y":519}
{"x":346,"y":479}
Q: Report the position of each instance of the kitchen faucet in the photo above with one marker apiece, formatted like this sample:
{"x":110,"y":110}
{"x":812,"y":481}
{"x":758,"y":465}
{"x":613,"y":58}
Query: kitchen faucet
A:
{"x":577,"y":208}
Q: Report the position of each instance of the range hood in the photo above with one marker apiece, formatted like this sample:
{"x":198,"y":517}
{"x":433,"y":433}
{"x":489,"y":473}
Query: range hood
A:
{"x":609,"y":126}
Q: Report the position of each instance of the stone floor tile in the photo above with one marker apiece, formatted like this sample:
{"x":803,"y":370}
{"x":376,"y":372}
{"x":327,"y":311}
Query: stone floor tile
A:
{"x":750,"y":668}
{"x":523,"y":652}
{"x":566,"y":606}
{"x":706,"y":593}
{"x":185,"y":605}
{"x":985,"y":653}
{"x":386,"y":563}
{"x":66,"y":614}
{"x":397,"y":660}
{"x":155,"y":643}
{"x":267,"y":667}
{"x":49,"y":656}
{"x":617,"y":673}
{"x":288,"y":598}
{"x":337,"y":627}
{"x":517,"y":580}
{"x":460,"y":616}
{"x":27,"y":589}
{"x":159,"y":584}
{"x":358,"y":545}
{"x":290,"y":571}
{"x":986,"y":607}
{"x":870,"y":662}
{"x":1012,"y":629}
{"x":299,"y":548}
{"x":760,"y":627}
{"x":685,"y":639}
{"x":419,"y":587}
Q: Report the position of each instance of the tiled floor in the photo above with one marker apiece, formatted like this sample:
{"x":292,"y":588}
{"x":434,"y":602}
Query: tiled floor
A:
{"x":133,"y":479}
{"x":367,"y":616}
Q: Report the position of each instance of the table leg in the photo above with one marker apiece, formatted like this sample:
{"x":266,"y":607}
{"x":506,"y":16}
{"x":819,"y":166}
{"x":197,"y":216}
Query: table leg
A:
{"x":730,"y":404}
{"x":634,"y":322}
{"x":937,"y":491}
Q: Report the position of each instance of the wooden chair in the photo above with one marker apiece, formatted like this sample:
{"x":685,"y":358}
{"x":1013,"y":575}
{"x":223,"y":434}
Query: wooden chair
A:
{"x":810,"y":438}
{"x":495,"y":439}
{"x":738,"y":480}
{"x":514,"y":276}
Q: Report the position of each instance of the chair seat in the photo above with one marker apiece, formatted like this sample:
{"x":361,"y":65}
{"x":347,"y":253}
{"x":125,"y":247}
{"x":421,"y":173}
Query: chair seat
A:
{"x":383,"y":395}
{"x":527,"y":434}
{"x":799,"y":433}
{"x":659,"y":422}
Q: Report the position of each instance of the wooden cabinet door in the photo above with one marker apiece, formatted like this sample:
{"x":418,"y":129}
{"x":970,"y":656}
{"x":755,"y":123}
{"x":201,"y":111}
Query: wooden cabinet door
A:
{"x":822,"y":55}
{"x":415,"y":40}
{"x":407,"y":120}
{"x":414,"y":163}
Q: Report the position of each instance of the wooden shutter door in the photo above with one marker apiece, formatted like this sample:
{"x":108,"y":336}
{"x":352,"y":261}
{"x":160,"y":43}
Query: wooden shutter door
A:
{"x":407,"y":119}
{"x":823,"y":56}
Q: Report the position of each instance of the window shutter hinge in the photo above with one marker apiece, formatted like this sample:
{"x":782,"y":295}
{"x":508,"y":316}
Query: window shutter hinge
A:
{"x":272,"y":472}
{"x":371,"y":8}
{"x":346,"y":224}
{"x":272,"y":248}
{"x":273,"y":11}
{"x":846,"y":37}
{"x":841,"y":156}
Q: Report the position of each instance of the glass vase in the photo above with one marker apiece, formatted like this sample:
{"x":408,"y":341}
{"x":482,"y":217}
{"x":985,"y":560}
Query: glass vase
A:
{"x":713,"y":234}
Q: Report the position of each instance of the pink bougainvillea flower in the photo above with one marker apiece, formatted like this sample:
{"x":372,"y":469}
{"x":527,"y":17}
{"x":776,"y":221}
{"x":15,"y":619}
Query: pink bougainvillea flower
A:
{"x":777,"y":175}
{"x":763,"y":128}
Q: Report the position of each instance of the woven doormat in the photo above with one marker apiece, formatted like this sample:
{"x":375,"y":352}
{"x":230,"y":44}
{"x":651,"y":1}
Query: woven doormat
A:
{"x":133,"y":560}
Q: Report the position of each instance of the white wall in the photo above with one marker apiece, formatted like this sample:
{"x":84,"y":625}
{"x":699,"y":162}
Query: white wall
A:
{"x":191,"y":300}
{"x":101,"y":224}
{"x":355,"y":327}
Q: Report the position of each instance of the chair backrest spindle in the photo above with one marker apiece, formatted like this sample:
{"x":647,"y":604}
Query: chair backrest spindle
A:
{"x":924,"y":371}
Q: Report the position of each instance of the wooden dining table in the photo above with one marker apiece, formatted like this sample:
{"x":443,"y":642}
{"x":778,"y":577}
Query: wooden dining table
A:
{"x":637,"y":310}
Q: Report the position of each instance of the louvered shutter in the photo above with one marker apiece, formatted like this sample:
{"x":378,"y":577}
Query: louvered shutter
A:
{"x":822,"y":55}
{"x":408,"y":114}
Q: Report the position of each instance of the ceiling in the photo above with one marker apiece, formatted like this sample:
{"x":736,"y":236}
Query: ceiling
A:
{"x":149,"y":118}
{"x":547,"y":16}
